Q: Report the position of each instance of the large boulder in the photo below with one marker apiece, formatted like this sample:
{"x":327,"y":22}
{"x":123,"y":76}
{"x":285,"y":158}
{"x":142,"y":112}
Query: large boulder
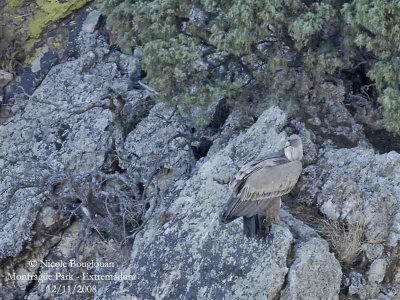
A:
{"x":192,"y":255}
{"x":357,"y":186}
{"x":361,"y":189}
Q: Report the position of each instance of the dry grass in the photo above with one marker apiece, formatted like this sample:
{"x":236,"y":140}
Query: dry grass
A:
{"x":345,"y":239}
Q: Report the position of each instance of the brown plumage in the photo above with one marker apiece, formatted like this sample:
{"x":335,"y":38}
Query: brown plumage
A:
{"x":258,"y":186}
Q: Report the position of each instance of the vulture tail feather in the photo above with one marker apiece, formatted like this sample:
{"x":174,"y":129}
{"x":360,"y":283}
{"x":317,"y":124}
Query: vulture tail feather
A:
{"x":226,"y":215}
{"x":254,"y":226}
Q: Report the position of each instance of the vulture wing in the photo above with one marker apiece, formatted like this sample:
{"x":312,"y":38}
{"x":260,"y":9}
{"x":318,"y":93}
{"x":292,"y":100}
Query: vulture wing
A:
{"x":258,"y":186}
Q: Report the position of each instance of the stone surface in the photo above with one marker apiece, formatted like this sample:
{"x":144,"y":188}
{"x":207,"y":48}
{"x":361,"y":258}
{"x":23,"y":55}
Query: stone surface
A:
{"x":314,"y":274}
{"x":155,"y":144}
{"x":358,"y":186}
{"x":63,"y":129}
{"x":58,"y":41}
{"x":91,"y":21}
{"x":327,"y":116}
{"x":377,"y":271}
{"x":357,"y":285}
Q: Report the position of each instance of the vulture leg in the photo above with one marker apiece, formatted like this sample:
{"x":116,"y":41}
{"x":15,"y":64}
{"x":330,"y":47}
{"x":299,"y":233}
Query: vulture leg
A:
{"x":258,"y":225}
{"x":272,"y":211}
{"x":254,"y":226}
{"x":271,"y":215}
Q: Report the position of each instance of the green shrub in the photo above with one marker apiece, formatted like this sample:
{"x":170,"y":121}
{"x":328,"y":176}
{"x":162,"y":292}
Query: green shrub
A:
{"x":198,"y":51}
{"x":375,"y":26}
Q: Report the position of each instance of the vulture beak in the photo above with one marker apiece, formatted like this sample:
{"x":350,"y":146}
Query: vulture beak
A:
{"x":287,"y":144}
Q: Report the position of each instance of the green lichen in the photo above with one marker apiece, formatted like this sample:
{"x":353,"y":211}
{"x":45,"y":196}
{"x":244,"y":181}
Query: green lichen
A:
{"x":14,"y":3}
{"x":48,"y":12}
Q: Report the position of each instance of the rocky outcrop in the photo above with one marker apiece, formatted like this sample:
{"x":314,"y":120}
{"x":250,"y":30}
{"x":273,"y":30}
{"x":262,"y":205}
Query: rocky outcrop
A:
{"x":369,"y":193}
{"x":361,"y":188}
{"x":92,"y":168}
{"x":192,"y":254}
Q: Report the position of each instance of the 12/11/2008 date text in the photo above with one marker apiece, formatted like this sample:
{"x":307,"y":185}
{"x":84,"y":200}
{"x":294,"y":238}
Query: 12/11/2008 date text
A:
{"x":71,"y":289}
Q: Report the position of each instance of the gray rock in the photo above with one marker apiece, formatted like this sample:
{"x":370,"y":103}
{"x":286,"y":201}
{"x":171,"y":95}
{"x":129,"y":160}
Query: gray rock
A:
{"x":131,"y":65}
{"x":36,"y":63}
{"x":154,"y":144}
{"x":314,"y":274}
{"x":92,"y":42}
{"x":88,"y":61}
{"x":5,"y":78}
{"x":89,"y":25}
{"x":138,"y":53}
{"x":377,"y":270}
{"x":17,"y":218}
{"x":373,"y":251}
{"x":358,"y":186}
{"x":391,"y":293}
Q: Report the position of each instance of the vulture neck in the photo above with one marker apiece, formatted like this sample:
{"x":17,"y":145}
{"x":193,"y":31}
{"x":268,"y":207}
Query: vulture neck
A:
{"x":294,"y":153}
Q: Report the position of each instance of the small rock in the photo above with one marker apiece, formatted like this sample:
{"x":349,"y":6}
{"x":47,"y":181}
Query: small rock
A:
{"x":377,"y":270}
{"x":315,"y":121}
{"x":36,"y":64}
{"x":5,"y":78}
{"x":48,"y":216}
{"x":91,"y":21}
{"x":134,"y":69}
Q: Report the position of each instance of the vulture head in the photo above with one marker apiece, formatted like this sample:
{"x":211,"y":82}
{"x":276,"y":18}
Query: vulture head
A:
{"x":294,"y":148}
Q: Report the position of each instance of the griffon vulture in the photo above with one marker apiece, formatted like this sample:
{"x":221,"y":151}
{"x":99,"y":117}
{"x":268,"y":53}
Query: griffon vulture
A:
{"x":258,"y":186}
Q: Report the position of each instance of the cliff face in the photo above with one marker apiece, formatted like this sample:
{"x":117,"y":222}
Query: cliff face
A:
{"x":194,"y":256}
{"x":93,"y":170}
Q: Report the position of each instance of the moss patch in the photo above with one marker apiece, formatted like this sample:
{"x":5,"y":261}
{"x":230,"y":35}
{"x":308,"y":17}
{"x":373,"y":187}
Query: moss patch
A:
{"x":48,"y":12}
{"x":14,"y":3}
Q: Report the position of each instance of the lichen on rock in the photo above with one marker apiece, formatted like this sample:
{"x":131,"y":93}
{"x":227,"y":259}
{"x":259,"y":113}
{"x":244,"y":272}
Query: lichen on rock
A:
{"x":48,"y":12}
